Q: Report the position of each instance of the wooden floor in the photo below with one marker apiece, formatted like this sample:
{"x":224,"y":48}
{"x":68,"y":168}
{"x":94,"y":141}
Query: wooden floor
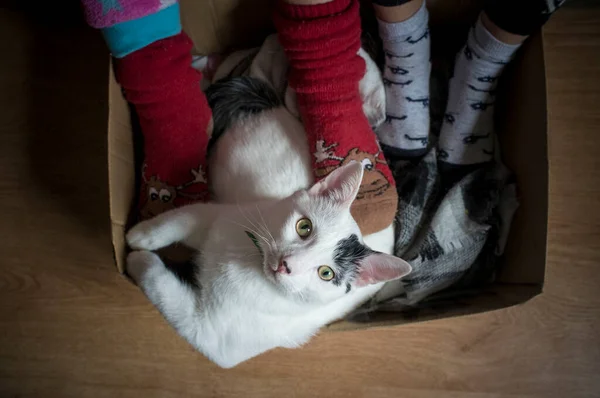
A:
{"x":70,"y":326}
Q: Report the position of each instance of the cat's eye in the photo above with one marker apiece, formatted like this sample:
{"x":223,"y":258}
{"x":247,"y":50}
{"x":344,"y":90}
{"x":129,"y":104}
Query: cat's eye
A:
{"x":325,"y":273}
{"x":304,"y":227}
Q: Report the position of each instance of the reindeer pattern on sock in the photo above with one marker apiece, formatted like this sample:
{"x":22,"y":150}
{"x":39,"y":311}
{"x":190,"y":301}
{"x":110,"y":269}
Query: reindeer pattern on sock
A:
{"x":374,"y":183}
{"x":160,"y":196}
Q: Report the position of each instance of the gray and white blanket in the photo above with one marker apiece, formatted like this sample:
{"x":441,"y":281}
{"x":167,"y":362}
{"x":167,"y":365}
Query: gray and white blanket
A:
{"x":451,"y":232}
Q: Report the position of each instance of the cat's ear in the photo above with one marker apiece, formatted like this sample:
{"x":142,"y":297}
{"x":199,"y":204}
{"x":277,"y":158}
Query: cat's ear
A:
{"x":341,"y":185}
{"x":379,"y":267}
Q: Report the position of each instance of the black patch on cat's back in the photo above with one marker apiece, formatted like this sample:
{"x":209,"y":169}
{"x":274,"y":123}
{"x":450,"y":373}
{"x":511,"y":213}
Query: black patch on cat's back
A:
{"x":233,"y":98}
{"x":186,"y":270}
{"x":347,"y":255}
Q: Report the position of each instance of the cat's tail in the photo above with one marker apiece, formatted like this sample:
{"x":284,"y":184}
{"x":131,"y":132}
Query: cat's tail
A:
{"x":234,"y":98}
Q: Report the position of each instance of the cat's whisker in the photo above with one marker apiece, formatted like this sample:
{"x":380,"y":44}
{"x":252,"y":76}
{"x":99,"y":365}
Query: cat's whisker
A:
{"x":256,"y":233}
{"x":244,"y":226}
{"x":261,"y":234}
{"x":252,"y":223}
{"x":264,"y":224}
{"x":245,"y":215}
{"x":265,"y":231}
{"x":253,"y":220}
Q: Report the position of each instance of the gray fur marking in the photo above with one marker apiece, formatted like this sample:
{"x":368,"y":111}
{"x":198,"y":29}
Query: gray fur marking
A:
{"x":347,"y":256}
{"x":234,"y":98}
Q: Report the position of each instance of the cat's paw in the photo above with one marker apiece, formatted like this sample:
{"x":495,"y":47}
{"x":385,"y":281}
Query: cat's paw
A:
{"x":144,"y":237}
{"x":372,"y":91}
{"x":139,"y":262}
{"x":374,"y":107}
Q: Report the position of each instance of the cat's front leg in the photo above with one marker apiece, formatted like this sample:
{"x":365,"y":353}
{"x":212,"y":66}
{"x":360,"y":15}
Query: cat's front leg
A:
{"x":139,"y":262}
{"x":173,"y":226}
{"x":176,"y":300}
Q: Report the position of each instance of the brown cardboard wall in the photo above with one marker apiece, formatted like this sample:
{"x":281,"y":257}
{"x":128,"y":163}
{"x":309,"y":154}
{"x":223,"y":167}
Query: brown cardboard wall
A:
{"x":522,"y":128}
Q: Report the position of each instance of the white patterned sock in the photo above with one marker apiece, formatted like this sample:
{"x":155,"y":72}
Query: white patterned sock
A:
{"x":467,"y":135}
{"x":405,"y":132}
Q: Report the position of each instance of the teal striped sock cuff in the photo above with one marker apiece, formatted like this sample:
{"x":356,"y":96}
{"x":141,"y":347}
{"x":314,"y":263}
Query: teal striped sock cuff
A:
{"x":126,"y":37}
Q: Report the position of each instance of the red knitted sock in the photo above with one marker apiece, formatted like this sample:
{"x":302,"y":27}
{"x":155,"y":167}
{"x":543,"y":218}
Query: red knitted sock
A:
{"x":174,"y":115}
{"x":321,"y":43}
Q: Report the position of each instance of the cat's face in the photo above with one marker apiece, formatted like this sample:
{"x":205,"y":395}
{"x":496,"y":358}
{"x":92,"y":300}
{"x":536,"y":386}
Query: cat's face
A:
{"x":314,"y":249}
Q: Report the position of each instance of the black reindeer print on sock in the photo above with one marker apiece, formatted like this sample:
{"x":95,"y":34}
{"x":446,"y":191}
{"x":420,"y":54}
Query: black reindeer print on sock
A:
{"x":450,"y":117}
{"x":424,"y":101}
{"x":423,"y":140}
{"x":425,"y":35}
{"x":388,"y":82}
{"x":390,"y":55}
{"x":480,"y":105}
{"x":390,"y":118}
{"x":469,"y":53}
{"x":482,"y":90}
{"x":487,"y":79}
{"x":473,"y":138}
{"x":396,"y":70}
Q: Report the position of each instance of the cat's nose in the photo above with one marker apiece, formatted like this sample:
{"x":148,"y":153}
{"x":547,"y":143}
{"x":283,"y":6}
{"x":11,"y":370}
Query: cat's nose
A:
{"x":283,"y":267}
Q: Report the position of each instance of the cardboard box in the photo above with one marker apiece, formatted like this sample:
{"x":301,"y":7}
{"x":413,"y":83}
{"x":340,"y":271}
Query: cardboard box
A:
{"x":217,"y":25}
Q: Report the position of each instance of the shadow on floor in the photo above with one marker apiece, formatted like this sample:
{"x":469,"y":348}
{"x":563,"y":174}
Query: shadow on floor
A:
{"x":68,"y":110}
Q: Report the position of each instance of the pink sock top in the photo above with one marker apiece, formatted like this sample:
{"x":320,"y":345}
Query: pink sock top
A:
{"x":104,"y":13}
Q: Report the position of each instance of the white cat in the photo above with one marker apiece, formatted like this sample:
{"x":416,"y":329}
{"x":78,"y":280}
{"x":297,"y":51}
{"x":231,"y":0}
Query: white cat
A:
{"x":271,"y":273}
{"x":279,"y":257}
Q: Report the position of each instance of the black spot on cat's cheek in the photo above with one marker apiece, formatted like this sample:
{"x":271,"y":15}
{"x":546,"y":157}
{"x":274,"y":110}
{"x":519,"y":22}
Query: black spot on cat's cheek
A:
{"x":348,"y":288}
{"x":347,"y":256}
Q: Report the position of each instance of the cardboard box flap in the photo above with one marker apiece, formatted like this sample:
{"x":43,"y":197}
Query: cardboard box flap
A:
{"x":121,"y":167}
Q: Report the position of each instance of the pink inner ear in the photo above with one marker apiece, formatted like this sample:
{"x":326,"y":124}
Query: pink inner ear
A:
{"x":341,"y":184}
{"x":379,"y":267}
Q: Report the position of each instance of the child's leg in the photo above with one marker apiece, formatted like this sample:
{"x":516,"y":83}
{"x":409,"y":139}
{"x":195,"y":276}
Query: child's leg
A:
{"x":153,"y":66}
{"x":321,"y":40}
{"x":467,"y":136}
{"x":174,"y":117}
{"x":405,"y":34}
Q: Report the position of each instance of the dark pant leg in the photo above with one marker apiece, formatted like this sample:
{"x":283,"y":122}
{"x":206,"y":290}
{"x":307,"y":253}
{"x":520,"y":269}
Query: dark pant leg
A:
{"x":521,"y":17}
